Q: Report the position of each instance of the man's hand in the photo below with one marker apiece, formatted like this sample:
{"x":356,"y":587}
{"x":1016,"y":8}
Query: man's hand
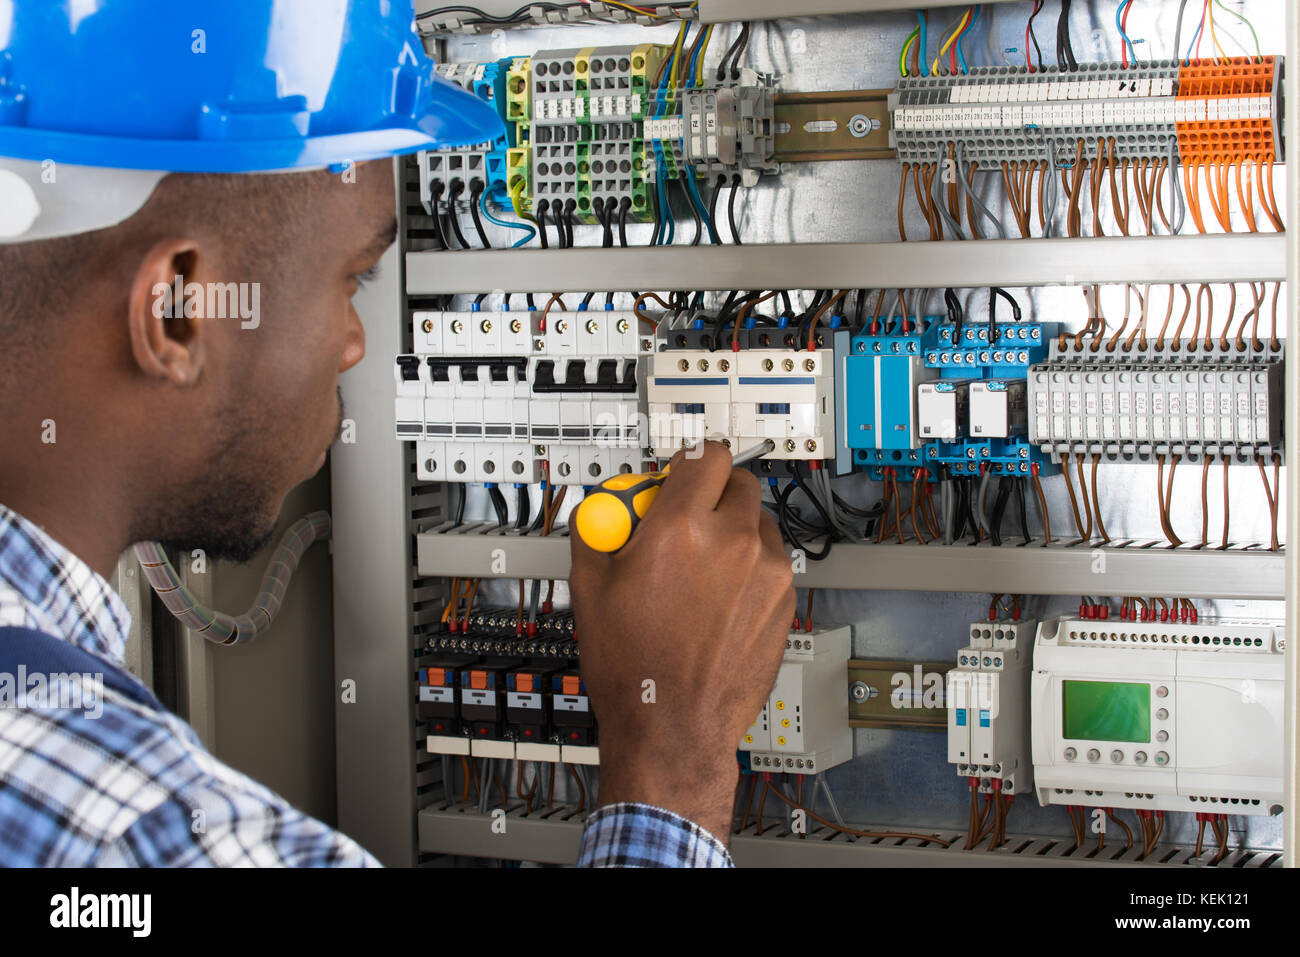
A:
{"x":682,"y":633}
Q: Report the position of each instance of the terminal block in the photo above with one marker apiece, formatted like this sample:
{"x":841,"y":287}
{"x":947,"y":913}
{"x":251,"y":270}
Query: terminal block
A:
{"x":804,"y":726}
{"x":988,"y":706}
{"x":454,"y":172}
{"x":1182,"y":399}
{"x":1203,"y":111}
{"x":730,"y":130}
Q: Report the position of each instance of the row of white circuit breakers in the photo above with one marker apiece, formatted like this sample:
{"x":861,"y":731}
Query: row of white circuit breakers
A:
{"x":489,"y":397}
{"x":1160,"y":716}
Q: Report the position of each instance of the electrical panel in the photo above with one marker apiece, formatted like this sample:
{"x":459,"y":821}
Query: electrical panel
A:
{"x":972,"y":419}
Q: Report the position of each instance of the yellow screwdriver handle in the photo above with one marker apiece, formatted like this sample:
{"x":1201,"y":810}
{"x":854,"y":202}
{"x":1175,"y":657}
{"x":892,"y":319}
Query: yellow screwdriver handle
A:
{"x":610,"y":513}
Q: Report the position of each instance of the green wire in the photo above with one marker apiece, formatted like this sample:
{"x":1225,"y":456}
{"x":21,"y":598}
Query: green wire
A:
{"x":902,"y":56}
{"x":1258,"y":53}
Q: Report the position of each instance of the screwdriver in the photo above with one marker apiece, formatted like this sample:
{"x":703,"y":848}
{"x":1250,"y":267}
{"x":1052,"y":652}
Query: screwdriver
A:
{"x":610,"y":513}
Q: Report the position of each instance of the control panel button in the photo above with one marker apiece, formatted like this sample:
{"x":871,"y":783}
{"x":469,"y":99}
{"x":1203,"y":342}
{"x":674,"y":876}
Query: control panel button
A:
{"x":1162,"y":692}
{"x":1162,"y":757}
{"x":1117,"y":755}
{"x":1162,"y":736}
{"x":1162,"y":714}
{"x":1071,"y":754}
{"x":1094,"y":754}
{"x":1140,"y":757}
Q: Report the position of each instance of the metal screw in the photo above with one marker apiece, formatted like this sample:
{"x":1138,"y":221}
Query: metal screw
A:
{"x":767,"y":365}
{"x":810,"y":445}
{"x":724,"y":365}
{"x":861,"y":347}
{"x":810,"y":365}
{"x":787,"y":365}
{"x":704,"y":365}
{"x":859,"y":692}
{"x":539,"y":345}
{"x":516,"y":326}
{"x":427,"y":325}
{"x":622,"y":326}
{"x":485,"y":326}
{"x":457,"y":327}
{"x":683,"y":365}
{"x":561,"y":326}
{"x":789,"y":445}
{"x":592,"y":327}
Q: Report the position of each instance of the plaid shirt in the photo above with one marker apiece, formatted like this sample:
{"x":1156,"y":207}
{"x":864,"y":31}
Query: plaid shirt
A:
{"x":134,"y":786}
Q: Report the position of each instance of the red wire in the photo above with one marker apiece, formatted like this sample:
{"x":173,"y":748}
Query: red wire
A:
{"x":1200,"y":35}
{"x":1124,"y":45}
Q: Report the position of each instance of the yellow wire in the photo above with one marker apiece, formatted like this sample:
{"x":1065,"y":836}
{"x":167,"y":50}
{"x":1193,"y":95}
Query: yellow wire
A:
{"x":644,"y":13}
{"x":908,"y":46}
{"x":699,"y":64}
{"x":1215,"y":35}
{"x":961,"y":25}
{"x":514,"y":201}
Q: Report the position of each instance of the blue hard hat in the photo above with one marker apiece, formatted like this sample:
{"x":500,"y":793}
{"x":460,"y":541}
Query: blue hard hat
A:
{"x":228,"y":87}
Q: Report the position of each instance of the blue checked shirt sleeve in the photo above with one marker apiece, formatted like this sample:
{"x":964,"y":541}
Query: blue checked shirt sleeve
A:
{"x":640,"y":835}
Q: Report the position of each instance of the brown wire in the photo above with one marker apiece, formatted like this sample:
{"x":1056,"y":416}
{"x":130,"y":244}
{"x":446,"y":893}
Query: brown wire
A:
{"x":1042,"y":503}
{"x":1205,"y":501}
{"x":1083,"y":495}
{"x":1074,"y":502}
{"x":1096,"y":502}
{"x":879,"y":835}
{"x":1224,"y":545}
{"x":902,"y":198}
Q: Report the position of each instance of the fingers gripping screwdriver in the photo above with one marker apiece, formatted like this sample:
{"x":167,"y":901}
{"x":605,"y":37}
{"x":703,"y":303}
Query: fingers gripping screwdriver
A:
{"x":610,"y":513}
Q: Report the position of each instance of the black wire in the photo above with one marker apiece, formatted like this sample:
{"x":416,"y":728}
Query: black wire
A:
{"x":972,"y":492}
{"x":956,"y":315}
{"x":537,"y":522}
{"x":1038,"y":8}
{"x":695,"y":210}
{"x":741,"y":45}
{"x":994,"y":293}
{"x":733,"y":51}
{"x":786,"y":305}
{"x":713,"y":202}
{"x":475,"y":192}
{"x":460,"y":505}
{"x":999,"y":509}
{"x":569,"y":207}
{"x":436,"y":191}
{"x":1022,"y":509}
{"x":542,"y":208}
{"x":801,"y":477}
{"x":457,"y":188}
{"x":1064,"y":47}
{"x":731,"y":210}
{"x":959,"y":507}
{"x":623,"y":209}
{"x":499,"y":506}
{"x":528,"y":298}
{"x":784,"y":524}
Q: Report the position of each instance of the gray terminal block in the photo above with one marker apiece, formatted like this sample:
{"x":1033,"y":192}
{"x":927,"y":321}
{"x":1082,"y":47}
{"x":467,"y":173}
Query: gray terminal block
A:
{"x":1144,"y":410}
{"x":1007,"y":114}
{"x":556,"y":99}
{"x":730,"y":130}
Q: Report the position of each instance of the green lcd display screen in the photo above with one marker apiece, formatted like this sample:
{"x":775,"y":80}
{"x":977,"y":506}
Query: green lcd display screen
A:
{"x":1106,"y":711}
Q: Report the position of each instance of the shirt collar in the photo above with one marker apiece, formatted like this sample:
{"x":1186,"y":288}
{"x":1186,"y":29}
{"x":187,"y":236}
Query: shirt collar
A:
{"x":62,"y":588}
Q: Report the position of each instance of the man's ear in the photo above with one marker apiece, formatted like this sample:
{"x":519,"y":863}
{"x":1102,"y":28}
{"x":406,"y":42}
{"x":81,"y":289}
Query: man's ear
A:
{"x":165,"y":342}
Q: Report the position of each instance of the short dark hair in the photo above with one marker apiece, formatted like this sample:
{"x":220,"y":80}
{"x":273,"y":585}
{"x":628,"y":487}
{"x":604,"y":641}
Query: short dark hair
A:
{"x":38,"y":280}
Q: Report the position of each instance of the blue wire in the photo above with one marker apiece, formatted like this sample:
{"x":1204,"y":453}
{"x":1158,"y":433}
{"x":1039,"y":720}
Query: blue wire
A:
{"x":1119,"y":25}
{"x":1191,"y":46}
{"x":704,"y":212}
{"x":532,"y":233}
{"x":923,"y":41}
{"x":961,"y":56}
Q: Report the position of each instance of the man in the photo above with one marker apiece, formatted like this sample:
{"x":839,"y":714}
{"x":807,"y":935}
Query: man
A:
{"x":129,"y":417}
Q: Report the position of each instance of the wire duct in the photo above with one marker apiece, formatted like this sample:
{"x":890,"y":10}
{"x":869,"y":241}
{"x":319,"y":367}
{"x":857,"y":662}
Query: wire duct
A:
{"x":224,"y":629}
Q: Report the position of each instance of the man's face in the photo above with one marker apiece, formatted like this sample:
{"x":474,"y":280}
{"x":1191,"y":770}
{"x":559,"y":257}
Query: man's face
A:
{"x":272,"y":396}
